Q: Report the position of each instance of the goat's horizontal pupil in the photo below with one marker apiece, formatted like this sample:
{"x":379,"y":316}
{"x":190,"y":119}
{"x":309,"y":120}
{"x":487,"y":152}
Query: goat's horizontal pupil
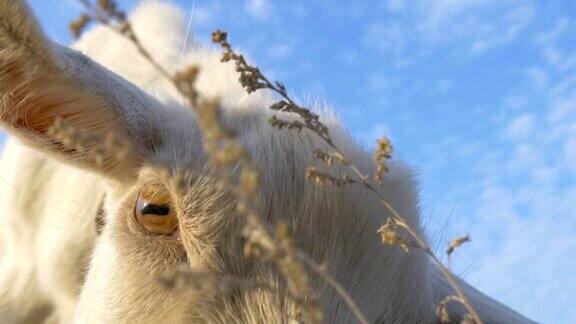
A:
{"x":156,"y":210}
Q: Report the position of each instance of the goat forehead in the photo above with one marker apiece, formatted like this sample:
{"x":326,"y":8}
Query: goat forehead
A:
{"x":178,"y":145}
{"x":188,"y":185}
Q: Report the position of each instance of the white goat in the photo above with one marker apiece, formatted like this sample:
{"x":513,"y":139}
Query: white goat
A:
{"x":55,"y":267}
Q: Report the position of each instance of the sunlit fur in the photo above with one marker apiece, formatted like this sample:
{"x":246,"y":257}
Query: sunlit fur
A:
{"x":54,"y":265}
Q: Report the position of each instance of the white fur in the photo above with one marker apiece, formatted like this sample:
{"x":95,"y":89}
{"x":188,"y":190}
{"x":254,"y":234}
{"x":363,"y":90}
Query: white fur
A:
{"x":48,"y":238}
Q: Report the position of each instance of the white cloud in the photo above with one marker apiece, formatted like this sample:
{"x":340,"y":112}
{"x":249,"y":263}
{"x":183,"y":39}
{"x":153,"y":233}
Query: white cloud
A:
{"x":520,"y":127}
{"x":351,"y":57}
{"x":473,"y":20}
{"x":396,"y":5}
{"x":259,"y":9}
{"x":389,"y":37}
{"x":382,"y":85}
{"x":523,"y":255}
{"x":378,"y":131}
{"x":522,"y":218}
{"x":462,"y":27}
{"x":202,"y":16}
{"x":495,"y":35}
{"x":538,"y":76}
{"x":570,"y":153}
{"x":549,"y":41}
{"x":515,"y":102}
{"x":551,"y":36}
{"x":519,"y":208}
{"x":438,"y":13}
{"x":564,"y":84}
{"x":444,"y":84}
{"x":562,"y":109}
{"x":552,"y":55}
{"x":280,"y":51}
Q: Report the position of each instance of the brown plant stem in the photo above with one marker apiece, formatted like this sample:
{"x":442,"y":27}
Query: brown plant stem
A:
{"x":252,"y":79}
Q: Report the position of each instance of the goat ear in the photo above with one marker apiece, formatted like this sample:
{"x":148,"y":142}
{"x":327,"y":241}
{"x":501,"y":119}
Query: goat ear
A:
{"x":42,"y":82}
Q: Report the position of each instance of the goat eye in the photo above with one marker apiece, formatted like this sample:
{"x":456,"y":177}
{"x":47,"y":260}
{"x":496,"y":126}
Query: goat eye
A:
{"x":155,"y":214}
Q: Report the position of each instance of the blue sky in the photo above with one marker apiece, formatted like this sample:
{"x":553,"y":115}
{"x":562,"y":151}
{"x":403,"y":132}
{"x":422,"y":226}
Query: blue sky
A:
{"x":479,"y":96}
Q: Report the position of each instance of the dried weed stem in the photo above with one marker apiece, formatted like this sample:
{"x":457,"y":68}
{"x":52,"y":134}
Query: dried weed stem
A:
{"x":252,"y":79}
{"x":225,"y":153}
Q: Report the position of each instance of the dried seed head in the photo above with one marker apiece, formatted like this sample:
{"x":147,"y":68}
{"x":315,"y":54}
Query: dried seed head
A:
{"x":219,"y":37}
{"x":249,"y":180}
{"x":330,"y":158}
{"x":108,"y":6}
{"x":258,"y":241}
{"x":206,"y":284}
{"x":252,"y":79}
{"x":297,"y":278}
{"x":78,"y":26}
{"x":457,"y":242}
{"x":279,"y":123}
{"x":442,"y":308}
{"x":390,"y":234}
{"x":383,"y":152}
{"x":185,"y":81}
{"x":321,"y":178}
{"x":97,"y":147}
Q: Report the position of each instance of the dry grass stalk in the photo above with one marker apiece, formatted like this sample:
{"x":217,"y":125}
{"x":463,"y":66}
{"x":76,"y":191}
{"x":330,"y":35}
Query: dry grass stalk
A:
{"x":78,"y":26}
{"x":207,"y":284}
{"x":382,"y":153}
{"x":442,"y":308}
{"x":330,"y":158}
{"x":321,"y":177}
{"x":225,"y":152}
{"x":443,"y":314}
{"x":252,"y":79}
{"x":100,"y":148}
{"x":456,"y":243}
{"x":390,"y":233}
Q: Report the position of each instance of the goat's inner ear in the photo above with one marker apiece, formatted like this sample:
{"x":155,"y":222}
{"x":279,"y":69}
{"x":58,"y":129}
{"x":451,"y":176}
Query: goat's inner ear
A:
{"x":42,"y":82}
